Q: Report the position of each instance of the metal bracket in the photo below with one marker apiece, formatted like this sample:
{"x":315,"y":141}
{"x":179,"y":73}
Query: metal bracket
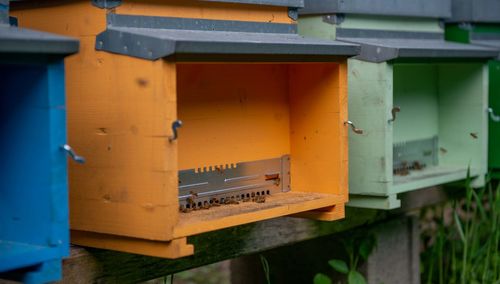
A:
{"x":13,"y":22}
{"x":106,"y":4}
{"x":71,"y":153}
{"x":466,"y":26}
{"x":493,"y":116}
{"x":226,"y":184}
{"x":334,"y":19}
{"x":442,"y":23}
{"x":293,"y":13}
{"x":414,"y":155}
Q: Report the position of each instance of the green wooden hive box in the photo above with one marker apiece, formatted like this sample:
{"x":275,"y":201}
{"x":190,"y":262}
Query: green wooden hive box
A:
{"x":421,"y":101}
{"x":480,"y":24}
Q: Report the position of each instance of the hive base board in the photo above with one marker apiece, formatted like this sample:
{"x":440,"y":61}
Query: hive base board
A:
{"x":425,"y":178}
{"x":276,"y":205}
{"x":331,"y":213}
{"x":15,"y":255}
{"x":48,"y":271}
{"x":374,"y":202}
{"x":433,"y":176}
{"x":175,"y":248}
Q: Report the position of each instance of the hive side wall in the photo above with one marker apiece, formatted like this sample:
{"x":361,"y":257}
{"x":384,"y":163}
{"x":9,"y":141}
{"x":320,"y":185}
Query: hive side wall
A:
{"x":370,"y":104}
{"x":119,"y":114}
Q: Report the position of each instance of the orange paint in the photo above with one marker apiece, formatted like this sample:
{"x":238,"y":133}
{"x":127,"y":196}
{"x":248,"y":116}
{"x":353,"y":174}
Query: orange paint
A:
{"x":205,"y":10}
{"x":120,"y":111}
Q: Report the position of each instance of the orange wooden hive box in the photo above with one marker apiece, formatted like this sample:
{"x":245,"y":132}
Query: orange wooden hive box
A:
{"x":262,"y":111}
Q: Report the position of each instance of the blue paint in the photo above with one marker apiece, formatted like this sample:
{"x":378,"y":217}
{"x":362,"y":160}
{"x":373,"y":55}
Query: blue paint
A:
{"x":34,"y":226}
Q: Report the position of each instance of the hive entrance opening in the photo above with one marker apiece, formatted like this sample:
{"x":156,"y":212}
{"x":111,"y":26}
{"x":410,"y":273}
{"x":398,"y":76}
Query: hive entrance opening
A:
{"x":248,"y":127}
{"x":439,"y":125}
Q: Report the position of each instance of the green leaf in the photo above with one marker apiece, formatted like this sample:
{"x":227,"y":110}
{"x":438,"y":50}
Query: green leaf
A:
{"x":366,"y":247}
{"x":265,"y":266}
{"x":480,"y":206}
{"x":349,"y":246}
{"x":339,"y":265}
{"x":458,"y":224}
{"x":321,"y":278}
{"x":355,"y":277}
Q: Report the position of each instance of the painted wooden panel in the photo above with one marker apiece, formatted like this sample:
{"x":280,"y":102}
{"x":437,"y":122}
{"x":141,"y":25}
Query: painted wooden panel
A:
{"x":120,"y":111}
{"x":494,"y":127}
{"x":459,"y":34}
{"x":34,"y":228}
{"x":446,"y":100}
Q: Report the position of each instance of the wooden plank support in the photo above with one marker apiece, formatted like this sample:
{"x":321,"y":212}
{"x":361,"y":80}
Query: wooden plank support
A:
{"x":87,"y":265}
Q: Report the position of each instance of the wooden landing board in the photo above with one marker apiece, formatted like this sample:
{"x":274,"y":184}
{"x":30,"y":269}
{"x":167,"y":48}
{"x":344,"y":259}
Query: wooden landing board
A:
{"x":276,"y":205}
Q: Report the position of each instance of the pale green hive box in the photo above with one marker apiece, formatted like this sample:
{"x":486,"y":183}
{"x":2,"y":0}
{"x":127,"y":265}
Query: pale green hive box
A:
{"x":437,"y":91}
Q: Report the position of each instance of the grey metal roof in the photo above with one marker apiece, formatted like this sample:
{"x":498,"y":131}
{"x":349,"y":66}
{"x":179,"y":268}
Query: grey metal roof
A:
{"x":17,"y":40}
{"x":486,"y":39}
{"x":491,"y":43}
{"x":414,"y":8}
{"x":156,"y":37}
{"x":154,"y":44}
{"x":475,"y":11}
{"x":380,"y":46}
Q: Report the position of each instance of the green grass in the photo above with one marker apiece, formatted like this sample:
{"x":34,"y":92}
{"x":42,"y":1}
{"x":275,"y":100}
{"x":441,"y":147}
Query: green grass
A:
{"x":460,"y":239}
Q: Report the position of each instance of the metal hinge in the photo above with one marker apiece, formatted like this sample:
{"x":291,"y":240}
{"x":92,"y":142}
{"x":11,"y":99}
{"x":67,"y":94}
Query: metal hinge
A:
{"x":333,"y":19}
{"x":293,"y":13}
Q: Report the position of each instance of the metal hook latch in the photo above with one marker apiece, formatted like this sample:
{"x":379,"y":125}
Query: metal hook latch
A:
{"x":353,"y":127}
{"x":394,"y":111}
{"x":72,"y":154}
{"x":176,"y":124}
{"x":493,"y":116}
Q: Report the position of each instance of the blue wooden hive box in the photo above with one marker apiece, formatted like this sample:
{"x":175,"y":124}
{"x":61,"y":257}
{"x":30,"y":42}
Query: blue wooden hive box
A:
{"x":33,"y":177}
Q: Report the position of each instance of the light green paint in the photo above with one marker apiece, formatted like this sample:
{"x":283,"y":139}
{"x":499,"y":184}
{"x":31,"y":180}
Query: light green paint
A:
{"x":444,"y":99}
{"x":448,"y":100}
{"x":373,"y":202}
{"x":315,"y":27}
{"x":463,"y":98}
{"x":390,"y":23}
{"x":455,"y":32}
{"x":418,"y":119}
{"x":370,"y":102}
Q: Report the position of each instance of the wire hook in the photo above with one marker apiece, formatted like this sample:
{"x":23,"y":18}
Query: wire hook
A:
{"x":71,"y":153}
{"x":175,"y":125}
{"x":394,"y":111}
{"x":353,"y":127}
{"x":493,"y":116}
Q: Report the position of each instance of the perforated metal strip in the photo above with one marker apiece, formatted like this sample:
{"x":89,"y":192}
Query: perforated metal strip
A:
{"x":242,"y":181}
